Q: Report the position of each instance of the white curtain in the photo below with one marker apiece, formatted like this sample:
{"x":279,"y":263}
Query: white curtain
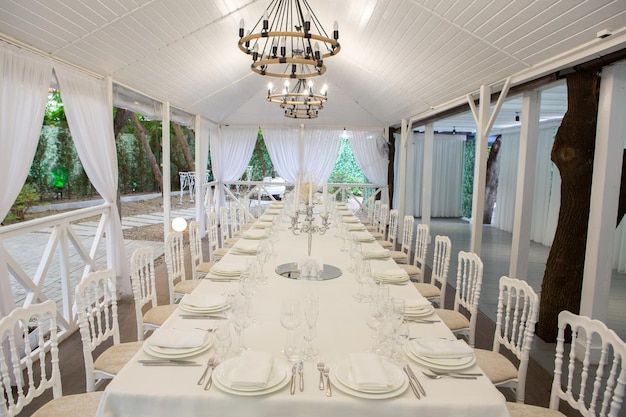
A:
{"x":201,"y":128}
{"x":283,"y":146}
{"x":90,"y":118}
{"x":231,"y":149}
{"x":24,"y":82}
{"x":370,"y":157}
{"x":448,"y":153}
{"x":321,"y":147}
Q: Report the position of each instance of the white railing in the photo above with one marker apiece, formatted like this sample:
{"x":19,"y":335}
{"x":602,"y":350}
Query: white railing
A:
{"x":64,"y":254}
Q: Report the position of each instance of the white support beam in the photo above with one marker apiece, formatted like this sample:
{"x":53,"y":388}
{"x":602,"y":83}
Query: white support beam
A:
{"x":400,"y":187}
{"x":480,"y":168}
{"x":526,"y":167}
{"x":605,"y":189}
{"x":200,"y":165}
{"x":167,"y":182}
{"x":427,"y":172}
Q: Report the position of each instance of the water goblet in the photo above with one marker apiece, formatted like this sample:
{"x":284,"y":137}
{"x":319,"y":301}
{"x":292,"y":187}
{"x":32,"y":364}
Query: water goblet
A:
{"x":311,"y":312}
{"x":239,"y":319}
{"x":290,"y":319}
{"x":263,"y":254}
{"x":223,"y":340}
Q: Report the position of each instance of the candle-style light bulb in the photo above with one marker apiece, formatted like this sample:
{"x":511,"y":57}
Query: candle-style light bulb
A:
{"x":266,"y":18}
{"x":335,"y":30}
{"x":241,"y":28}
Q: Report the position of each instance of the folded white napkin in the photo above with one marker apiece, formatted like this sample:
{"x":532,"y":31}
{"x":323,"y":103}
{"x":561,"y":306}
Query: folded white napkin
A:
{"x":272,"y":211}
{"x":252,"y":371}
{"x":350,"y":219}
{"x":417,"y":304}
{"x":246,"y":245}
{"x":434,"y":347}
{"x":389,"y":272}
{"x":266,"y":218}
{"x":375,"y":251}
{"x":368,"y":372}
{"x":355,"y":226}
{"x":254,"y":234}
{"x":178,"y":338}
{"x":204,"y":300}
{"x":262,"y":225}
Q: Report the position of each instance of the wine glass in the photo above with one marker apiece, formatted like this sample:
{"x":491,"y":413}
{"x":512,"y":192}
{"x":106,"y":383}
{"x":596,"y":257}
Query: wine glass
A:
{"x":355,"y":249}
{"x":223,"y":340}
{"x":290,"y":319}
{"x":311,"y":312}
{"x":239,"y":319}
{"x":263,"y":254}
{"x":362,"y":278}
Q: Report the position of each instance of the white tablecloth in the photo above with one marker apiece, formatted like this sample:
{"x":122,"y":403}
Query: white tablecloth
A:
{"x":172,"y":391}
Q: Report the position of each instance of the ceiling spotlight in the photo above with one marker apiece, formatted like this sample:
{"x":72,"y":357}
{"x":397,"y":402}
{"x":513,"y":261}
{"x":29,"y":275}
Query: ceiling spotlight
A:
{"x":454,"y":130}
{"x":517,"y":116}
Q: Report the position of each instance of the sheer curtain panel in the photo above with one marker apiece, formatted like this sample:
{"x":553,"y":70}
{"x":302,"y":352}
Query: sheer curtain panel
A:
{"x":90,"y":118}
{"x":24,"y":82}
{"x":368,"y":154}
{"x":321,"y":147}
{"x":283,"y":146}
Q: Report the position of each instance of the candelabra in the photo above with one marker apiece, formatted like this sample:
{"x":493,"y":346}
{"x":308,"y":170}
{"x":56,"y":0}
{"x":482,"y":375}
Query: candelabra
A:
{"x":308,"y":226}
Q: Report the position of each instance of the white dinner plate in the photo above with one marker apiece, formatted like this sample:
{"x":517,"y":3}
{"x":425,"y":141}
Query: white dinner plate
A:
{"x":360,"y":394}
{"x":343,"y":372}
{"x":279,"y":377}
{"x":173,"y":353}
{"x":442,"y":364}
{"x":192,"y":309}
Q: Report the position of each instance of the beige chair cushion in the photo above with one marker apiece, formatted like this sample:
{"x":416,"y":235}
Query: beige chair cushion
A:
{"x":398,"y":256}
{"x":218,"y":253}
{"x":157,"y":315}
{"x":79,"y":405}
{"x":377,"y":235}
{"x":495,"y":366}
{"x":385,"y":244}
{"x":371,"y":228}
{"x":231,"y":241}
{"x":412,"y":270}
{"x":428,"y":290}
{"x":205,"y":267}
{"x":186,"y":286}
{"x":525,"y":410}
{"x":453,"y":319}
{"x":112,"y":360}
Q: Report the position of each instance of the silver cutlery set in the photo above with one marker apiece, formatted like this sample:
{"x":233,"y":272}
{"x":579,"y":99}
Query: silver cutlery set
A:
{"x":414,"y":383}
{"x":297,"y":370}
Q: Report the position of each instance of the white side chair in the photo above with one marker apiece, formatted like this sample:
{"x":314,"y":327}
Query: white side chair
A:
{"x":595,"y":389}
{"x":198,"y":266}
{"x":373,"y":225}
{"x":392,"y":235}
{"x":416,"y":269}
{"x":225,"y":232}
{"x":22,"y":355}
{"x":383,"y":220}
{"x":435,"y":291}
{"x":468,"y":282}
{"x":403,"y":256}
{"x":96,"y":310}
{"x":370,"y":212}
{"x":215,"y":251}
{"x":177,"y":280}
{"x":144,"y":290}
{"x":518,"y":306}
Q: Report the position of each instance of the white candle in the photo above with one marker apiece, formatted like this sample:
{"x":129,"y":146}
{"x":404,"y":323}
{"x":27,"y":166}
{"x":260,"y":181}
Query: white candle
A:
{"x":296,"y":196}
{"x":325,"y":197}
{"x":310,"y":190}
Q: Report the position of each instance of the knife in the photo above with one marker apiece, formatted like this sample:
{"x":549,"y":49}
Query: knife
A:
{"x":292,"y":387}
{"x":200,"y":316}
{"x":169,"y":363}
{"x":417,"y":382}
{"x":301,"y":373}
{"x":411,"y":383}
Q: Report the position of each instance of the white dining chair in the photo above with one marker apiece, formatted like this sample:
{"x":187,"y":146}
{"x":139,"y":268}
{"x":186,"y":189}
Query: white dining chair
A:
{"x":516,"y":317}
{"x":216,"y":252}
{"x":416,"y":269}
{"x":589,"y":372}
{"x":435,"y":291}
{"x":467,"y":293}
{"x":392,"y":234}
{"x":225,"y":233}
{"x":383,"y":220}
{"x":144,"y":291}
{"x":29,"y":339}
{"x":96,"y":311}
{"x":198,"y":266}
{"x":403,"y":256}
{"x":177,"y":281}
{"x":372,"y":226}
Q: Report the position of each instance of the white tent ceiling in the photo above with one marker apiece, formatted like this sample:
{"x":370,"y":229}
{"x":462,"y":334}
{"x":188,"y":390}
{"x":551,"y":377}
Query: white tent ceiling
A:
{"x":399,"y":58}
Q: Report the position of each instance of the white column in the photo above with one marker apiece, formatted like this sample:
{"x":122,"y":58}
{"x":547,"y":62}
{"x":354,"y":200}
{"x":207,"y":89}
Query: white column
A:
{"x":167,"y":183}
{"x":200,"y":163}
{"x":526,"y":167}
{"x":480,"y":168}
{"x":400,"y":187}
{"x":427,"y":175}
{"x":605,"y":189}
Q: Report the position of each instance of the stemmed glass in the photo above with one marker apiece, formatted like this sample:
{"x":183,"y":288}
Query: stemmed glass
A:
{"x":239,"y":318}
{"x":263,"y":254}
{"x":273,"y":239}
{"x":362,"y":277}
{"x":290,"y":319}
{"x":223,"y":340}
{"x":311,"y":311}
{"x":378,"y":315}
{"x":355,"y":250}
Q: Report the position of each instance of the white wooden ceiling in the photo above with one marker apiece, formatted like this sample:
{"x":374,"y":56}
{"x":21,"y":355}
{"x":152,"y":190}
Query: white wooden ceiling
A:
{"x":399,"y":58}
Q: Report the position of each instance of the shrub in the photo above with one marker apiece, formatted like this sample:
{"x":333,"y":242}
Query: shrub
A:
{"x":25,"y":200}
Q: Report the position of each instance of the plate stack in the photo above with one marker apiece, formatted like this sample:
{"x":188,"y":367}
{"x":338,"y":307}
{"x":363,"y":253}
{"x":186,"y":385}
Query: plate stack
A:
{"x":176,"y":343}
{"x":245,"y":246}
{"x":374,"y":251}
{"x":204,"y":303}
{"x":366,"y":375}
{"x":254,"y":234}
{"x":390,"y":275}
{"x":417,"y":308}
{"x":251,"y":374}
{"x":363,"y":236}
{"x":228,"y":270}
{"x":355,"y":227}
{"x":441,"y":354}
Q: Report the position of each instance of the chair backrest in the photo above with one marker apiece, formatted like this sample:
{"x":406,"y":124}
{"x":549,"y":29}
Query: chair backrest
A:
{"x":234,"y":223}
{"x":516,"y":316}
{"x":407,"y":236}
{"x":195,"y":246}
{"x":174,"y":260}
{"x":383,"y":219}
{"x":213,"y":234}
{"x":144,"y":283}
{"x":96,"y":310}
{"x":392,"y":235}
{"x":371,"y":204}
{"x":593,"y":387}
{"x":224,"y":228}
{"x":422,"y":236}
{"x":27,"y":335}
{"x":376,"y":217}
{"x":469,"y":279}
{"x":441,"y":264}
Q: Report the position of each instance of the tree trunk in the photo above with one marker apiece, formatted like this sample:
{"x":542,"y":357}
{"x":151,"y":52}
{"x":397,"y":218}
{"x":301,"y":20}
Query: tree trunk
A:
{"x":491,"y":186}
{"x":572,"y":153}
{"x":180,"y":136}
{"x":141,"y":132}
{"x":121,"y":117}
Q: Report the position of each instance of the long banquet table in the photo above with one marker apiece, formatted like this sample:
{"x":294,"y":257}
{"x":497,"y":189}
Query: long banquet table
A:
{"x":341,"y":329}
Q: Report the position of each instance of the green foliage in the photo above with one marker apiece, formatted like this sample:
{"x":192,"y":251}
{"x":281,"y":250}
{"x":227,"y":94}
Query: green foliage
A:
{"x":468,"y":178}
{"x":346,"y":169}
{"x":256,"y":173}
{"x":27,"y":197}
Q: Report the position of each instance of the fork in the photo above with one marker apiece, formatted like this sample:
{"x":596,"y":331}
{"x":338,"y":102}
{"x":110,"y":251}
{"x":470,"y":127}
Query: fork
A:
{"x":329,"y":391}
{"x":210,"y":380}
{"x":209,"y":364}
{"x":320,"y":367}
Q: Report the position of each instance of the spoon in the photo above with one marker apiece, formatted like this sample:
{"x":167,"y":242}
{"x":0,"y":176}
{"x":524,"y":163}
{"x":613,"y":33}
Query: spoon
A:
{"x":431,"y":376}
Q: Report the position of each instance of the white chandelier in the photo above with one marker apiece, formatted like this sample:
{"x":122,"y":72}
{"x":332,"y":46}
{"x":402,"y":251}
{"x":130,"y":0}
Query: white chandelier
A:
{"x":289,"y":41}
